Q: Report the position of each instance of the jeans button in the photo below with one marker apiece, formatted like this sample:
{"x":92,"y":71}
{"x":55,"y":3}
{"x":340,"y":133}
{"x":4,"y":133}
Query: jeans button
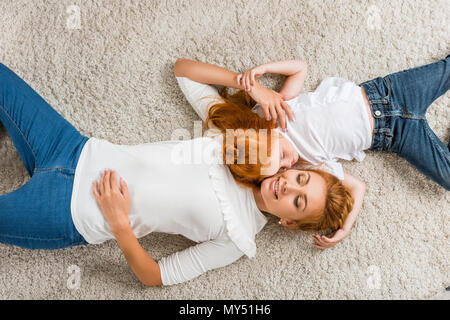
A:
{"x":378,"y":113}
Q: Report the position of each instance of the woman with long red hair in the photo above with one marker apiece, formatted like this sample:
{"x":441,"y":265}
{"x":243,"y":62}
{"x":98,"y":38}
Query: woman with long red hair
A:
{"x":339,"y":120}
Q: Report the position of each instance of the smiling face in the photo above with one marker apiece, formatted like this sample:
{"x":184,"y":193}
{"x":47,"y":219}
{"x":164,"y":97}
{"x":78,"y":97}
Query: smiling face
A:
{"x":283,"y":156}
{"x":293,"y":195}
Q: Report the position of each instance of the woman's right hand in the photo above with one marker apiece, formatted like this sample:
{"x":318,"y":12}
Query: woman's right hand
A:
{"x":272,"y":104}
{"x":113,"y":202}
{"x":248,"y":78}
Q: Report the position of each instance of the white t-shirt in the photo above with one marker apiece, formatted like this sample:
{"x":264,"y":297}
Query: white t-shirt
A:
{"x":331,"y":123}
{"x":176,"y":187}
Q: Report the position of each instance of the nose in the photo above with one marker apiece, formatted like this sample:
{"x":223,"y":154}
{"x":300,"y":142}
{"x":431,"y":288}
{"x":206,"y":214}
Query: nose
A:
{"x":293,"y":161}
{"x":287,"y":163}
{"x":288,"y":187}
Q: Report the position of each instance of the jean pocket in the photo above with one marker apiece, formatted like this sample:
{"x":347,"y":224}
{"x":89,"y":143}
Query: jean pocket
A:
{"x":67,"y":173}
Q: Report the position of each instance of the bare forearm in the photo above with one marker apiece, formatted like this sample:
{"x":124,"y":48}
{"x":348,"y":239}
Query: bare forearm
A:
{"x":358,"y":189}
{"x":351,"y":218}
{"x":295,"y":70}
{"x":206,"y":73}
{"x":144,"y":267}
{"x":285,"y":67}
{"x":296,"y":78}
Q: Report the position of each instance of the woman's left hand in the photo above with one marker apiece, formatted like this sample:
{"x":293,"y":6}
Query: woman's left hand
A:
{"x":114,"y":203}
{"x":324,"y":242}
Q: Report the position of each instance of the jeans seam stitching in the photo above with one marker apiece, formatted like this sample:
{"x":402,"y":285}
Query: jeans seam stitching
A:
{"x":32,"y":238}
{"x":46,"y":169}
{"x":427,"y":130}
{"x":64,"y":175}
{"x":26,"y":140}
{"x":58,"y":169}
{"x":405,"y":114}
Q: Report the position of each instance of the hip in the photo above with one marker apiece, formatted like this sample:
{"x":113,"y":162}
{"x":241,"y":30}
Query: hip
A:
{"x":37,"y":215}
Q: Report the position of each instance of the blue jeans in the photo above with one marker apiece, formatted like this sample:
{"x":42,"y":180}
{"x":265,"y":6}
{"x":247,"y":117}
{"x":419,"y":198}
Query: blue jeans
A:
{"x":37,"y":215}
{"x":399,"y":103}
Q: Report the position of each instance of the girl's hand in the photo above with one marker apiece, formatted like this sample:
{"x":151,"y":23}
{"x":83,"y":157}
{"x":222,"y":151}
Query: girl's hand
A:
{"x":247,"y":79}
{"x":114,"y":203}
{"x":324,"y":242}
{"x":272,"y":104}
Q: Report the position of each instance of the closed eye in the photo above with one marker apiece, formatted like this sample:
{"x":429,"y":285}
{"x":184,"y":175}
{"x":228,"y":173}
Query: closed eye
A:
{"x":299,"y":178}
{"x":304,"y":198}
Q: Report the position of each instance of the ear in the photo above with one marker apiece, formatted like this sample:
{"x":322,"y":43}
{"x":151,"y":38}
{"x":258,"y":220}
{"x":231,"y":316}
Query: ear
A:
{"x":290,"y":224}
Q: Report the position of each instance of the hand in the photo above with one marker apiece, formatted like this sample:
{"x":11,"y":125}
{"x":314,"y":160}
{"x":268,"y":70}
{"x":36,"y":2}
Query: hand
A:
{"x":114,"y":203}
{"x":272,"y":104}
{"x":247,"y":79}
{"x":324,"y":242}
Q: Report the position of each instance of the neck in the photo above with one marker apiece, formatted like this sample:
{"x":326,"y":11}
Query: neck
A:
{"x":258,"y":199}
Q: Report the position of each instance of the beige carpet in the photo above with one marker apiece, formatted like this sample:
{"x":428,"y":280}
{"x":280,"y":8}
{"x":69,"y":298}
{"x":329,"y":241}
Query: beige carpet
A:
{"x":112,"y":78}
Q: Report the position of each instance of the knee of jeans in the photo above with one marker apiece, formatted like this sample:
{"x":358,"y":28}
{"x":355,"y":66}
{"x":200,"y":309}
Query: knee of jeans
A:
{"x":446,"y":183}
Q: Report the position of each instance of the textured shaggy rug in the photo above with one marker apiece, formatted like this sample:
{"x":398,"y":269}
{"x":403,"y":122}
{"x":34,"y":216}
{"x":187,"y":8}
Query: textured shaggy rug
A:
{"x":110,"y":73}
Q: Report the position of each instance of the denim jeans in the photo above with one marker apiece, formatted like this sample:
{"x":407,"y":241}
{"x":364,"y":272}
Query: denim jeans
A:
{"x":399,"y":102}
{"x":37,"y":215}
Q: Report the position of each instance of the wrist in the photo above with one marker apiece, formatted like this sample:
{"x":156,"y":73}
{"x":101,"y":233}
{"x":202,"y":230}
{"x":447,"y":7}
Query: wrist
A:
{"x":257,"y":86}
{"x":255,"y":91}
{"x":264,"y":68}
{"x":346,"y":229}
{"x":121,"y":228}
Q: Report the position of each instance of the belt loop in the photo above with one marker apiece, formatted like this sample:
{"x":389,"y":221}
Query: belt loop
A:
{"x":388,"y":83}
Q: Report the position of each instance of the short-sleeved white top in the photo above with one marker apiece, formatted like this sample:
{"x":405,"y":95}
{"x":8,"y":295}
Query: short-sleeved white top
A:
{"x":331,"y":123}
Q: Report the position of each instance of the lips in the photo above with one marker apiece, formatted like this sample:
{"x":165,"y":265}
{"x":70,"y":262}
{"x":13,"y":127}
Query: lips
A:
{"x":275,"y":187}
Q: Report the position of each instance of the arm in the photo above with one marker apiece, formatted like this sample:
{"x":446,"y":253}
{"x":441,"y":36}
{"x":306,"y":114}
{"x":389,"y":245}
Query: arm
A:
{"x":206,"y":73}
{"x":358,"y":189}
{"x":294,"y":70}
{"x":115,"y":206}
{"x":271,"y":102}
{"x":144,"y":267}
{"x":194,"y":79}
{"x":192,"y":262}
{"x":200,"y":96}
